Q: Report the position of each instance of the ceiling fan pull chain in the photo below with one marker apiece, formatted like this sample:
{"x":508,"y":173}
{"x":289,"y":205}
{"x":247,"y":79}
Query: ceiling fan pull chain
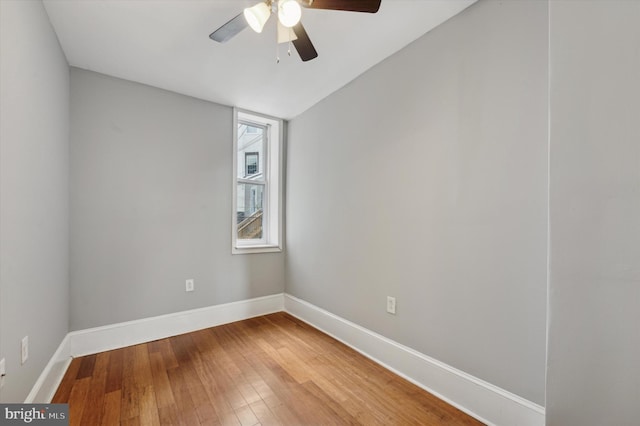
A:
{"x":277,"y":50}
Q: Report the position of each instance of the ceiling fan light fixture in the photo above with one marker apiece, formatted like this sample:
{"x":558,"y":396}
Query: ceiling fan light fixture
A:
{"x":257,"y":16}
{"x":289,"y":12}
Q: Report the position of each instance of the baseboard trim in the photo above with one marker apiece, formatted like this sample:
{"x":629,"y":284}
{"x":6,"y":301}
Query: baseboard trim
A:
{"x":114,"y":336}
{"x":486,"y":402}
{"x":45,"y":387}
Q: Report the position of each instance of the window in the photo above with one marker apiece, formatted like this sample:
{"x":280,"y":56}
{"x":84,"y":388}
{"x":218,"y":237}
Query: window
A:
{"x":257,"y":186}
{"x":251,"y":162}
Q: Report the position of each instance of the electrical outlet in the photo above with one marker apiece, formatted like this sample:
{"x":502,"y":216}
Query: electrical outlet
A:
{"x":391,"y":305}
{"x":24,"y":352}
{"x":189,"y":285}
{"x":3,"y":372}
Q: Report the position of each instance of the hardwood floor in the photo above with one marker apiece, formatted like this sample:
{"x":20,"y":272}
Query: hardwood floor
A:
{"x":268,"y":370}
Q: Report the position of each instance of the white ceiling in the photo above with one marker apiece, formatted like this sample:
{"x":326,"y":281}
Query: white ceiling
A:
{"x":165,"y":43}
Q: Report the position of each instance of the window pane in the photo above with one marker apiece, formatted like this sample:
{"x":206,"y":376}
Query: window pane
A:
{"x":249,"y":211}
{"x":251,"y":163}
{"x":251,"y":143}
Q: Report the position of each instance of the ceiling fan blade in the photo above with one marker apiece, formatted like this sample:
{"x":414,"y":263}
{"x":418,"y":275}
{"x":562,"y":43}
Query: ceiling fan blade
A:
{"x":370,"y":6}
{"x":229,"y":30}
{"x":303,"y":44}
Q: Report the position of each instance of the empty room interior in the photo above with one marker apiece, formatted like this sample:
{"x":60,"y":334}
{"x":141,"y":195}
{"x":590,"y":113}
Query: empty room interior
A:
{"x":404,"y":212}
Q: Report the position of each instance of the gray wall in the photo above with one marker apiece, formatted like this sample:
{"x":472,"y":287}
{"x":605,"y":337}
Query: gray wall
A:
{"x":150,"y":193}
{"x":426,"y":179}
{"x":593,"y":375}
{"x":34,"y":159}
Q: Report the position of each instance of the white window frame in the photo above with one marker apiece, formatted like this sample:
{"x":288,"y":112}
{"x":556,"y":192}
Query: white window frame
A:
{"x":273,"y":192}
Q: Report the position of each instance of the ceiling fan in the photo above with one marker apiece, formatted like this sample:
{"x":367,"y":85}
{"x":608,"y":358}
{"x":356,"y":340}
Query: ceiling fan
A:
{"x":289,"y":26}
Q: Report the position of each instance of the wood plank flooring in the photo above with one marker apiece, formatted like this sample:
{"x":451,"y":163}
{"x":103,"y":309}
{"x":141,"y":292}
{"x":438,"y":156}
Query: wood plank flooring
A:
{"x":270,"y":370}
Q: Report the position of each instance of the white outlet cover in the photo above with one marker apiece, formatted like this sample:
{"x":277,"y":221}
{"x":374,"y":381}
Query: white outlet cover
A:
{"x":24,"y":349}
{"x":3,"y":371}
{"x":190,"y":285}
{"x":391,"y":305}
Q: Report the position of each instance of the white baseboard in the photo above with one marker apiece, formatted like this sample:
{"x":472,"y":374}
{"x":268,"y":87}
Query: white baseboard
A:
{"x":114,"y":336}
{"x":50,"y":378}
{"x":484,"y":401}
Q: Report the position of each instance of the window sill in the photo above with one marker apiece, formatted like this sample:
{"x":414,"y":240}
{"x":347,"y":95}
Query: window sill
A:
{"x":256,"y":249}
